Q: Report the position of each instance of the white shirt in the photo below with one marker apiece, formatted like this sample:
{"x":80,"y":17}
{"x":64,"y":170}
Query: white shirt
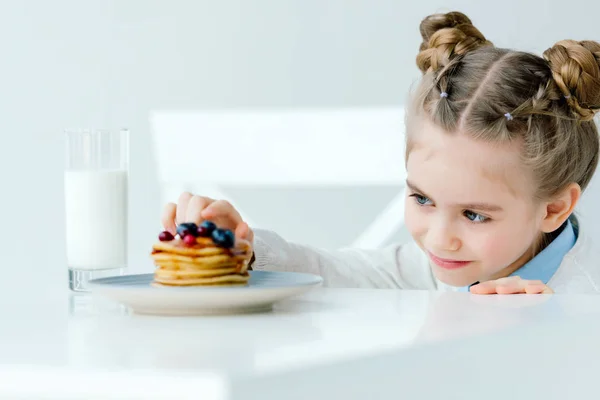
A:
{"x":405,"y":266}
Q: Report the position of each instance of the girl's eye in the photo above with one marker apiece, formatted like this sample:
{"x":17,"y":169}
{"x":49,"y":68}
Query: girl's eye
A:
{"x":421,"y":200}
{"x":474,"y":217}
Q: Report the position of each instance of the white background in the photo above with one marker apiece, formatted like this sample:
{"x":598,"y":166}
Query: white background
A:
{"x":69,"y":63}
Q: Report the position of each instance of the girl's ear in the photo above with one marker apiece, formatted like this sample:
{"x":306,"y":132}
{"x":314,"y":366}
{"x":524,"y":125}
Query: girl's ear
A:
{"x":559,"y":208}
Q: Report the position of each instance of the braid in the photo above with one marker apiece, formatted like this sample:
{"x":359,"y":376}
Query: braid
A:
{"x":576,"y":71}
{"x":446,"y":36}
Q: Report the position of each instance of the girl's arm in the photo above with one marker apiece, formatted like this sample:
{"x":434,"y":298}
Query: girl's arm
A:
{"x":397,"y":266}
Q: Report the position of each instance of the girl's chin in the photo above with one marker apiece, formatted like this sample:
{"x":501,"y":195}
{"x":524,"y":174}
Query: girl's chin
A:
{"x":456,"y":277}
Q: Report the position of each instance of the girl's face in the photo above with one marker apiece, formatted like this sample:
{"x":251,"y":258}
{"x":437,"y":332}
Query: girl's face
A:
{"x":470,"y":205}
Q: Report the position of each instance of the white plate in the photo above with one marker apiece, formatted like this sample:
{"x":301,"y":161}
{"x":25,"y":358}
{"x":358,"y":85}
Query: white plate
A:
{"x":263,"y":290}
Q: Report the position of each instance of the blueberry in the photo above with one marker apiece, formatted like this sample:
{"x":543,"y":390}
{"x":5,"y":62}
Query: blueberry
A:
{"x":223,"y":238}
{"x":187,"y":228}
{"x":209,"y":226}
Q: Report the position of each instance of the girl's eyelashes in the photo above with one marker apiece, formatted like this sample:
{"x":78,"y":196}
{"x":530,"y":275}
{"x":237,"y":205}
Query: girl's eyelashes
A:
{"x":469,"y":215}
{"x":475,"y":217}
{"x":421,"y":200}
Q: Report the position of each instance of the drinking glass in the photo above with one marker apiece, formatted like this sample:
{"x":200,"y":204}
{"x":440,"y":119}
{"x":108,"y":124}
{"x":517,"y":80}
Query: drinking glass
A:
{"x":96,"y":196}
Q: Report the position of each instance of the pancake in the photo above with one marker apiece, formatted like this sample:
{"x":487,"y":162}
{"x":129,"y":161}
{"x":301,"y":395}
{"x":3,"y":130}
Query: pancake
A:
{"x":191,"y":274}
{"x":228,"y":280}
{"x":201,"y":263}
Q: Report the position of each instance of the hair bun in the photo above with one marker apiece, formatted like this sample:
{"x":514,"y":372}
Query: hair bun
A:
{"x":446,"y":36}
{"x":576,"y":70}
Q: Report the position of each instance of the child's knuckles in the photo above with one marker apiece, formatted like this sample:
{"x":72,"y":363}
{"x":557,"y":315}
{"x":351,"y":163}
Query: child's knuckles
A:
{"x":184,"y":197}
{"x":221,"y":206}
{"x":509,"y":289}
{"x":226,"y":204}
{"x":200,"y":202}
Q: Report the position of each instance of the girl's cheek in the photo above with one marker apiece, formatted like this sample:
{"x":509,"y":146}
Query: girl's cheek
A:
{"x":413,"y":218}
{"x":491,"y":248}
{"x":500,"y":248}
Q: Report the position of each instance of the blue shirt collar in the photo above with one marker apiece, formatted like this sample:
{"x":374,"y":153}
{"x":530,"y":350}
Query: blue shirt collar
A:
{"x":545,"y":264}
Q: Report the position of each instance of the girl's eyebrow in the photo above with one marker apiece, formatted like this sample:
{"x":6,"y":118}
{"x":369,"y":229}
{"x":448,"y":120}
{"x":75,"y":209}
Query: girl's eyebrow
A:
{"x":487,"y":207}
{"x":481,"y":207}
{"x":414,"y":188}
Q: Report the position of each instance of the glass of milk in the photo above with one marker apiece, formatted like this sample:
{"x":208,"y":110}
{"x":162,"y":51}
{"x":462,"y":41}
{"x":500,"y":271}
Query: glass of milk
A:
{"x":96,"y":196}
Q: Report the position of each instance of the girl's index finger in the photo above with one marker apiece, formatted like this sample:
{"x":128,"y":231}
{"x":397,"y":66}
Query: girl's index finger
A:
{"x":483,"y":288}
{"x":168,"y":218}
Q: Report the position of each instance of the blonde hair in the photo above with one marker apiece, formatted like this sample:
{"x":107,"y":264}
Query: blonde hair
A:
{"x":500,"y":95}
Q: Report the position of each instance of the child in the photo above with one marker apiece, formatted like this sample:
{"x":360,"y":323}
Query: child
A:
{"x":500,"y":146}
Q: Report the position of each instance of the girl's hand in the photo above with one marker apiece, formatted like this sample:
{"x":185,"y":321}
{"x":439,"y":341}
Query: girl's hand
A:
{"x":511,"y":285}
{"x":192,"y":208}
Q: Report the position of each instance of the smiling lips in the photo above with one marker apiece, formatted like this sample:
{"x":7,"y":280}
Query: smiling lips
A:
{"x":447,"y":263}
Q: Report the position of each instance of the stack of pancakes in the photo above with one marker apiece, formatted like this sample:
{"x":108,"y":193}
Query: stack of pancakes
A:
{"x":201,"y":264}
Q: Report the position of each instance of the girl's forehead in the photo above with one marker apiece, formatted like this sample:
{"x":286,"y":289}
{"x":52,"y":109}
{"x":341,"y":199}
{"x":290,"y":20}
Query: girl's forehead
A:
{"x":437,"y":155}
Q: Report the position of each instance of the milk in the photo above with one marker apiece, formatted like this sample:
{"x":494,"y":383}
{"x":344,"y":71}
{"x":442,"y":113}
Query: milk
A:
{"x":96,"y":219}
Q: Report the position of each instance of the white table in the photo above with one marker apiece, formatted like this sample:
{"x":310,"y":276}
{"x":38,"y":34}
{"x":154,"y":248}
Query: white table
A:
{"x":330,"y":343}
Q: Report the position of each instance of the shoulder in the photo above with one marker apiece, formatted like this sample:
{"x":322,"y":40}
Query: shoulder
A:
{"x":579,"y":271}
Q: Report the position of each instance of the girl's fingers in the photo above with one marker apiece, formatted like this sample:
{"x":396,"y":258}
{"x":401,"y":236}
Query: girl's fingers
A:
{"x":168,"y":217}
{"x":537,"y":287}
{"x":547,"y":290}
{"x":195,"y":206}
{"x":243,"y":232}
{"x":196,"y":209}
{"x":490,"y":287}
{"x":511,"y":288}
{"x":182,"y":205}
{"x":484,"y":288}
{"x":222,"y":213}
{"x":511,"y":285}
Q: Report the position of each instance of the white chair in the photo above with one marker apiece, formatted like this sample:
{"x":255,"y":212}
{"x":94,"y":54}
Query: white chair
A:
{"x":281,"y":147}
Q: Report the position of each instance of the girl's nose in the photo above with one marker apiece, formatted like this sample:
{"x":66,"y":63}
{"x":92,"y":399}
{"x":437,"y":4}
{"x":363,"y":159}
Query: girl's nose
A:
{"x":442,"y":238}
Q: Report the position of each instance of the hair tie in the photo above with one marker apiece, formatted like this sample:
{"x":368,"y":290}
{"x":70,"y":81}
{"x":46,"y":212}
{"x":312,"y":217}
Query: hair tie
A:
{"x":508,"y":116}
{"x":567,"y":96}
{"x":444,"y":95}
